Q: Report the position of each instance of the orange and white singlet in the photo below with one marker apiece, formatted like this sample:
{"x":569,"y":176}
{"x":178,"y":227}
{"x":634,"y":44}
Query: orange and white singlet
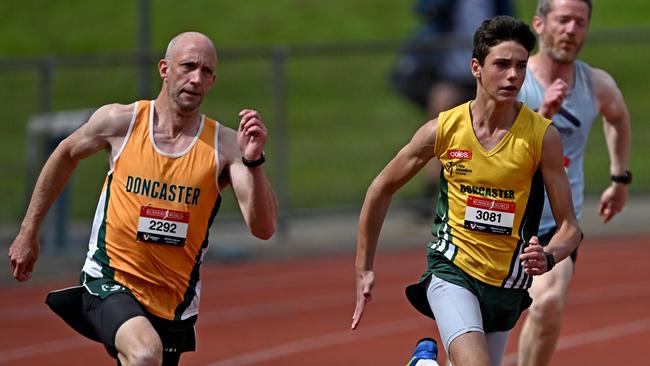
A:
{"x":150,"y":230}
{"x":490,"y":201}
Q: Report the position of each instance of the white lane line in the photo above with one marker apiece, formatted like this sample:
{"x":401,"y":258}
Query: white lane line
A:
{"x":21,"y":312}
{"x":236,"y":313}
{"x":325,"y":340}
{"x":301,"y":276}
{"x":213,"y":317}
{"x":577,"y":298}
{"x":593,"y":336}
{"x":45,"y":347}
{"x":616,"y":291}
{"x":289,"y":306}
{"x":215,"y":287}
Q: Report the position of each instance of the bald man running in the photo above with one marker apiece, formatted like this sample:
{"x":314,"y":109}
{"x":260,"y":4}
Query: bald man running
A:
{"x":140,"y":285}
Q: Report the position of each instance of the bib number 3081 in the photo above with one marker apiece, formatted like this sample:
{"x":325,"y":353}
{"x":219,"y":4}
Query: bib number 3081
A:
{"x":489,"y":216}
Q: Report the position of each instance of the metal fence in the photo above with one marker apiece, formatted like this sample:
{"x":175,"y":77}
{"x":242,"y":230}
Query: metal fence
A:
{"x":279,"y":69}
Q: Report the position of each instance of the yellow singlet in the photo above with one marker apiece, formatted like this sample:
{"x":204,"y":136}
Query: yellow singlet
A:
{"x":490,"y":201}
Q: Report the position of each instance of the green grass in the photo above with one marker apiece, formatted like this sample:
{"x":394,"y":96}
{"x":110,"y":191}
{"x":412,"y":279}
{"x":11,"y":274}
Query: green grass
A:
{"x":343,"y":120}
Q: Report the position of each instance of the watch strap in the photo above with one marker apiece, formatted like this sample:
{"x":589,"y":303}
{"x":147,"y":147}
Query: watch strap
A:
{"x":626,"y":178}
{"x":254,"y":163}
{"x":550,"y":261}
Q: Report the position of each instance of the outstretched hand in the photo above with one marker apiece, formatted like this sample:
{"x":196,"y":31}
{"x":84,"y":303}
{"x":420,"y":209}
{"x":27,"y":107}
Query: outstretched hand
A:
{"x":365,"y":283}
{"x":612,"y":201}
{"x":23,"y":254}
{"x":533,"y":259}
{"x":251,"y":134}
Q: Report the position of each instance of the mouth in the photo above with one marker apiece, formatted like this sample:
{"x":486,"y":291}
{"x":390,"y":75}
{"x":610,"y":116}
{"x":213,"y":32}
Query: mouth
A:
{"x":567,"y":43}
{"x":190,"y":92}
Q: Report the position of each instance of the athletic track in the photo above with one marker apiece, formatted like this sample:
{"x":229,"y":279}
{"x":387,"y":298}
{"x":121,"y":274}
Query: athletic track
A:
{"x":298,"y":311}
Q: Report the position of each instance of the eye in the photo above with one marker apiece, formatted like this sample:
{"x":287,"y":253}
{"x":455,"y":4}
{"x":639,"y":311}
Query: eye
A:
{"x":563,"y":20}
{"x":188,"y":66}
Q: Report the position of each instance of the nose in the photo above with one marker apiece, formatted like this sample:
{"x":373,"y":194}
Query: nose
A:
{"x":572,"y":27}
{"x":512,"y":73}
{"x":195,"y":76}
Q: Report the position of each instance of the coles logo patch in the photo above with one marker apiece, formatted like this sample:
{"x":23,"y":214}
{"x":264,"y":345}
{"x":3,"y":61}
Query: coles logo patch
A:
{"x":459,"y":154}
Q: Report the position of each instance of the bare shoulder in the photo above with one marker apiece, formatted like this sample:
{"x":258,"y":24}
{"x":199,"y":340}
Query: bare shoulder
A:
{"x":602,"y":78}
{"x":106,"y":128}
{"x":604,"y":84}
{"x":609,"y":98}
{"x":552,"y":149}
{"x":427,"y":133}
{"x":424,"y":141}
{"x":552,"y":136}
{"x":112,"y":120}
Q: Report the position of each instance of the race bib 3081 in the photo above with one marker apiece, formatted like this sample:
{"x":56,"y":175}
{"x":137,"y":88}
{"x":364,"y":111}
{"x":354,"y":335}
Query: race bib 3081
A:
{"x":490,"y":216}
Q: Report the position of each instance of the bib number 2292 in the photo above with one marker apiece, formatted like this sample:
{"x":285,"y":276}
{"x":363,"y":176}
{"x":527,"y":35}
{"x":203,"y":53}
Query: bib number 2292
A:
{"x":163,"y":226}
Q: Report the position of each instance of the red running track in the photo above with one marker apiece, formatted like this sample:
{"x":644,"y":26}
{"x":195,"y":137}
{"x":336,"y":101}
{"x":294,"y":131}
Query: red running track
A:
{"x":298,"y":311}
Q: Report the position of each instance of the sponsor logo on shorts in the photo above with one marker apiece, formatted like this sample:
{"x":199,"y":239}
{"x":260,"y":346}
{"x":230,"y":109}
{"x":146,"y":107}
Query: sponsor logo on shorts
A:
{"x":112,"y":288}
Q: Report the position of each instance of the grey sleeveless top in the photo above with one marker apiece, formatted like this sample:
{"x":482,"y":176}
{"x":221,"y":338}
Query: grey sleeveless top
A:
{"x":574,"y":121}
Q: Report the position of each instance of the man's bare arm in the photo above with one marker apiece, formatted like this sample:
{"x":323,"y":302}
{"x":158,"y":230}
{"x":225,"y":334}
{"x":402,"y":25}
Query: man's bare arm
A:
{"x":617,"y":128}
{"x":102,"y":129}
{"x":252,"y":189}
{"x":408,"y":161}
{"x":567,"y":237}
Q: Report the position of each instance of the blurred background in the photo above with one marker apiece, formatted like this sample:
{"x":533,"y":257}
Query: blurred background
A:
{"x":318,"y":72}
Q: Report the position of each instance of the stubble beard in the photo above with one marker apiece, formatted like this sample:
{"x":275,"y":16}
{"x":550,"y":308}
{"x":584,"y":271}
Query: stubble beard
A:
{"x":552,"y":48}
{"x":184,"y":106}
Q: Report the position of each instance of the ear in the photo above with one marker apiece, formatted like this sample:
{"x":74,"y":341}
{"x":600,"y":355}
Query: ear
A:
{"x":476,"y":68}
{"x":538,"y":24}
{"x":163,"y":68}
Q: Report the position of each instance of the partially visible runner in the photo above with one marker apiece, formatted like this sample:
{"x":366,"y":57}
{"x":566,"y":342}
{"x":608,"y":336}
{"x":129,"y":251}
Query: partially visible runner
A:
{"x":572,"y":94}
{"x":140,"y":284}
{"x":497,"y":155}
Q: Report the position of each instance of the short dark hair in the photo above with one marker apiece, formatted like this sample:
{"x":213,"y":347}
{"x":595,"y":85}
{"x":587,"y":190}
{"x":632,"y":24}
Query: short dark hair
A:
{"x":500,"y":29}
{"x":545,"y":6}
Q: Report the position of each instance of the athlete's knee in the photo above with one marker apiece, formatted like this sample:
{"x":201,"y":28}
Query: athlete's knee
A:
{"x":143,"y":355}
{"x":138,"y":343}
{"x":548,"y":306}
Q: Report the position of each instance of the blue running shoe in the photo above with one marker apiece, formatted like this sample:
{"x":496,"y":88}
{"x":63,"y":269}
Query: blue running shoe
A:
{"x":425,"y":354}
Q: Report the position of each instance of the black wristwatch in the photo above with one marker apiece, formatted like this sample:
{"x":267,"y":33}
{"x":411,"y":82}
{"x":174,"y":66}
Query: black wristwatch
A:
{"x":550,"y":261}
{"x":254,"y":163}
{"x":626,"y":178}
